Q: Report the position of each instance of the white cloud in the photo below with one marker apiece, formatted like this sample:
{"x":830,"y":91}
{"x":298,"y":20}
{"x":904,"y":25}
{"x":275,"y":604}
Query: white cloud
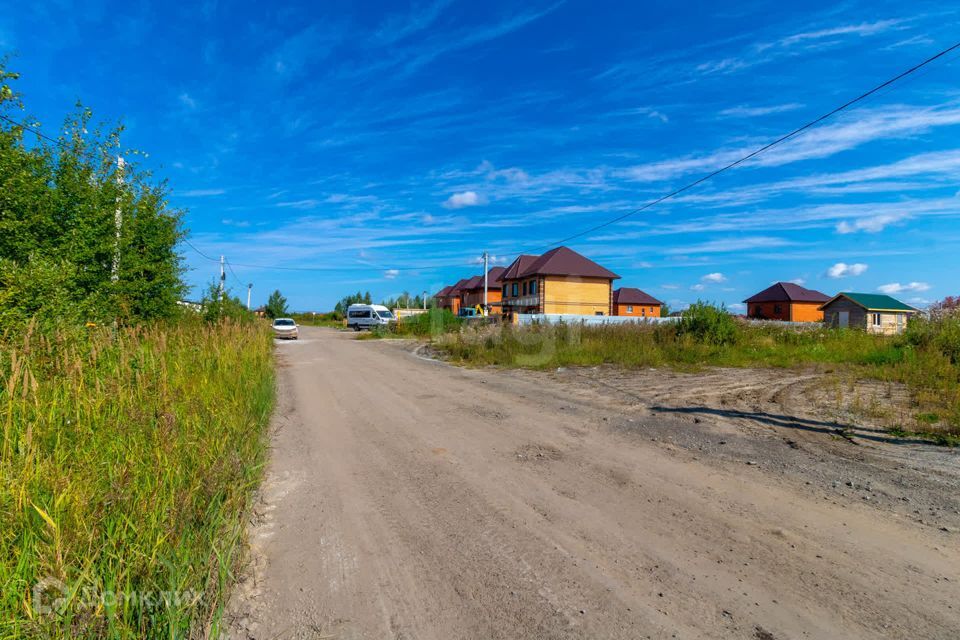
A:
{"x":200,"y":193}
{"x":390,"y":274}
{"x":697,"y":287}
{"x":728,"y":245}
{"x":714,"y":277}
{"x":899,"y":121}
{"x":744,"y":111}
{"x":737,"y":306}
{"x":870,"y":224}
{"x":796,"y":281}
{"x":862,"y":29}
{"x":669,"y":286}
{"x":464,"y":199}
{"x":187,"y":101}
{"x":843,"y":270}
{"x":910,"y":287}
{"x":308,"y":203}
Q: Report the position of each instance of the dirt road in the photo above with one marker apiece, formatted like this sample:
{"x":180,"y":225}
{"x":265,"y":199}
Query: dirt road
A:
{"x":407,"y":498}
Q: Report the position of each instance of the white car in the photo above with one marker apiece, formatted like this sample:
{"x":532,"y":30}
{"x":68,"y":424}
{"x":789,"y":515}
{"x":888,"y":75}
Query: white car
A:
{"x":368,"y":316}
{"x":285,"y":328}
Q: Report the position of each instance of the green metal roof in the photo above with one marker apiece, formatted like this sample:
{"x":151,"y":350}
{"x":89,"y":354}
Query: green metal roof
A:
{"x":876,"y":301}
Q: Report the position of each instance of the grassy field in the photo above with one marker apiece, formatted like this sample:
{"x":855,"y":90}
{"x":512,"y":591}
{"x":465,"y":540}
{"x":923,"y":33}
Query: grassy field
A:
{"x":926,"y":359}
{"x":127,"y":464}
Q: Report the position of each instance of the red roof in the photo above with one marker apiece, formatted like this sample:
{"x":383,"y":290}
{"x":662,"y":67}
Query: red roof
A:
{"x":456,"y":288}
{"x":476,"y":282}
{"x":443,"y":292}
{"x":629,"y":295}
{"x":566,"y":262}
{"x":516,"y":268}
{"x":788,"y":292}
{"x":472,"y":283}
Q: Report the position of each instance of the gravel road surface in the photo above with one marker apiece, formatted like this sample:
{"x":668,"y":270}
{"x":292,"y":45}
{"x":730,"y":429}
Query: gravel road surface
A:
{"x":407,"y":498}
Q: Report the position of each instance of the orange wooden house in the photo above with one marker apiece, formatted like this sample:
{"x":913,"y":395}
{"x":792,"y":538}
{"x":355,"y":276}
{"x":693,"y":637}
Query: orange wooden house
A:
{"x":628,"y":301}
{"x":787,"y":301}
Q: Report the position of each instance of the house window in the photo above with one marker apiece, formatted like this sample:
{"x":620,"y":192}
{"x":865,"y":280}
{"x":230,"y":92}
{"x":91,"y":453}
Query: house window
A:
{"x":777,"y":308}
{"x":533,"y":287}
{"x":524,"y":288}
{"x":516,"y":290}
{"x":876,"y":319}
{"x":504,"y":291}
{"x":629,"y":309}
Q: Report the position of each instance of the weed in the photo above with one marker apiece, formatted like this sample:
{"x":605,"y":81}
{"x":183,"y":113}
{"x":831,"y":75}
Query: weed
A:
{"x":127,"y":460}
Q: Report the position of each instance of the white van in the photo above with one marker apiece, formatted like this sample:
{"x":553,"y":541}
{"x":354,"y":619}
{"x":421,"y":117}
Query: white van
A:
{"x":368,"y":316}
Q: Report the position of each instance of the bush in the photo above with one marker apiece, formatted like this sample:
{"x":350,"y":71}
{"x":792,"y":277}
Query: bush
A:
{"x":708,"y":324}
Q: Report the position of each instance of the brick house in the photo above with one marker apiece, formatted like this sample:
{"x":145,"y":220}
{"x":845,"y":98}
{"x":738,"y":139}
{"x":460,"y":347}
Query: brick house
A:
{"x":559,"y":281}
{"x":787,"y":301}
{"x":628,"y":301}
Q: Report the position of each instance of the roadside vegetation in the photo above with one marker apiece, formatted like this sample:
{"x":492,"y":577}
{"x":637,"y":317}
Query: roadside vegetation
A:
{"x":133,"y":427}
{"x":431,"y":323}
{"x":926,"y":358}
{"x":127,"y":462}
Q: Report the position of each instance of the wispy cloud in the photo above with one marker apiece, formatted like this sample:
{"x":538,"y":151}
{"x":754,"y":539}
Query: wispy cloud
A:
{"x":910,"y":287}
{"x":390,"y":274}
{"x":307,"y":203}
{"x":763,"y":52}
{"x":187,"y":100}
{"x":744,"y":111}
{"x":870,"y":224}
{"x":862,"y":30}
{"x":727,"y":245}
{"x":202,"y":193}
{"x":844,"y":270}
{"x":843,"y":135}
{"x":716,"y":277}
{"x":472,"y":37}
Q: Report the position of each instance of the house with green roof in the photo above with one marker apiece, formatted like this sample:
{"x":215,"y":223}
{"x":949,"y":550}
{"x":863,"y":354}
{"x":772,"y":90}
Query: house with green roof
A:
{"x":872,"y":312}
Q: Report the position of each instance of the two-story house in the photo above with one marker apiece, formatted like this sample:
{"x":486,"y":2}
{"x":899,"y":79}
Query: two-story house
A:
{"x":559,"y":281}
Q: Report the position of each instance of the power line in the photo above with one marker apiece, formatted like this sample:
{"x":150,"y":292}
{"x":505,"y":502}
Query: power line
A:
{"x":31,"y":129}
{"x":796,"y":132}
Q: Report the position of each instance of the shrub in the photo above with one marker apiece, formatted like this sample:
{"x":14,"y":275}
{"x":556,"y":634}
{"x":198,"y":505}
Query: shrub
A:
{"x":709,"y":324}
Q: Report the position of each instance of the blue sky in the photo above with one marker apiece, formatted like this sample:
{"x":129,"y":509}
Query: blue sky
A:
{"x":389,"y":145}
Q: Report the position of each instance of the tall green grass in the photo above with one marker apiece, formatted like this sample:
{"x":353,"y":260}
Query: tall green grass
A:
{"x":127,"y":461}
{"x":925,"y":359}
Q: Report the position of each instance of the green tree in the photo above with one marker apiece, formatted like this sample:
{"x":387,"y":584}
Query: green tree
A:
{"x":276,"y":305}
{"x":58,"y":237}
{"x":219,"y":305}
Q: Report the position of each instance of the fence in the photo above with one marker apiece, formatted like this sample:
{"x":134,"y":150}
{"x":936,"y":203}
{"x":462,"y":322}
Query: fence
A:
{"x":570,"y":318}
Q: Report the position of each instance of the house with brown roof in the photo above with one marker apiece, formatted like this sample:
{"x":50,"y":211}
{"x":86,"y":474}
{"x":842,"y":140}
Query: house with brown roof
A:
{"x":559,"y":281}
{"x":443,"y":297}
{"x":787,"y":301}
{"x":471,"y":292}
{"x":628,"y":301}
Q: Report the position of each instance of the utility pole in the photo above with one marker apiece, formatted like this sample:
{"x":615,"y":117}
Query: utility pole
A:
{"x":223,"y":278}
{"x":424,"y":300}
{"x":486,"y":258}
{"x":117,"y":223}
{"x":249,"y":288}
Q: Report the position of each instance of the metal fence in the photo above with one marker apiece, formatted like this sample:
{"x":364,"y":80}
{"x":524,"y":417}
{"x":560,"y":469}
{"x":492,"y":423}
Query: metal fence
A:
{"x":571,"y":318}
